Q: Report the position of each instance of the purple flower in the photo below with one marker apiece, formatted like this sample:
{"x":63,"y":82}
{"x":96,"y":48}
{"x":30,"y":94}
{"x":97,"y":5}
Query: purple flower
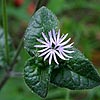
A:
{"x":54,"y":46}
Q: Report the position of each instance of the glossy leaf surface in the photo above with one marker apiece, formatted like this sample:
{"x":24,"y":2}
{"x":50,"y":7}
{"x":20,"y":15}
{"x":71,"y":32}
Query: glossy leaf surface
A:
{"x":77,"y":73}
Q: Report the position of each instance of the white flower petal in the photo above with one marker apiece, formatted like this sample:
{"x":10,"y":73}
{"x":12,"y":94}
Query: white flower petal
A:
{"x":44,"y":53}
{"x":54,"y":35}
{"x":51,"y":39}
{"x":58,"y":36}
{"x":50,"y":59}
{"x":40,"y":46}
{"x":66,"y":55}
{"x":41,"y":41}
{"x":55,"y":59}
{"x":64,"y":43}
{"x":44,"y":36}
{"x":46,"y":56}
{"x":66,"y":51}
{"x":43,"y":50}
{"x":63,"y":38}
{"x":69,"y":46}
{"x":60,"y":55}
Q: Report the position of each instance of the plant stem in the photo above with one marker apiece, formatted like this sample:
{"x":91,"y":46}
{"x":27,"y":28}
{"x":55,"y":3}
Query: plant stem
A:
{"x":68,"y":95}
{"x":16,"y":74}
{"x":7,"y":75}
{"x":39,"y":3}
{"x":16,"y":55}
{"x":4,"y":80}
{"x":5,"y":25}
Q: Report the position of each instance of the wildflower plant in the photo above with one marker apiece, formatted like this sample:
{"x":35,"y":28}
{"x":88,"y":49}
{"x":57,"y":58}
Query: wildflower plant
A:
{"x":54,"y":59}
{"x":54,"y":46}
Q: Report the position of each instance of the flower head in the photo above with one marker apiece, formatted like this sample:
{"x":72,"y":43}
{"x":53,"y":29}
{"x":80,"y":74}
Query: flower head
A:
{"x":54,"y":46}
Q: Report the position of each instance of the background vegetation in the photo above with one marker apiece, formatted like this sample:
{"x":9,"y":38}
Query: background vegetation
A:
{"x":80,"y":18}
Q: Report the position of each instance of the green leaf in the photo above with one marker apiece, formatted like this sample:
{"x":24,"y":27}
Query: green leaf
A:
{"x":42,"y":21}
{"x":77,"y":73}
{"x":3,"y":62}
{"x":36,"y":77}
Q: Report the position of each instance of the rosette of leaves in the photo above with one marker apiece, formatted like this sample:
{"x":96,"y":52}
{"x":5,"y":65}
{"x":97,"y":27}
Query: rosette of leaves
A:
{"x":76,"y":74}
{"x":3,"y":60}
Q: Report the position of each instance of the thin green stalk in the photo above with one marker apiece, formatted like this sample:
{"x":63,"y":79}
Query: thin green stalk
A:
{"x":68,"y":95}
{"x":5,"y":26}
{"x":7,"y":75}
{"x":16,"y":54}
{"x":39,"y":4}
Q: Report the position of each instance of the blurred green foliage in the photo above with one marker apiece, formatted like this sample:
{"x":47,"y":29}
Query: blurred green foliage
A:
{"x":80,"y":18}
